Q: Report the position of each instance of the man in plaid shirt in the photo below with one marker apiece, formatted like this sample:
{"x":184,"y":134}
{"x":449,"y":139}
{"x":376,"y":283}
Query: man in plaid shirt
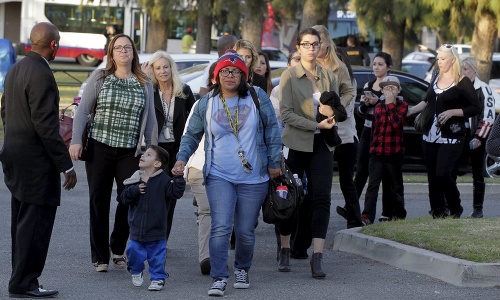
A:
{"x":387,"y":151}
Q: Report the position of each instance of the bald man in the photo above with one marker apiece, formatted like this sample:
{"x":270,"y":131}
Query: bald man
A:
{"x":224,"y":43}
{"x":33,"y":157}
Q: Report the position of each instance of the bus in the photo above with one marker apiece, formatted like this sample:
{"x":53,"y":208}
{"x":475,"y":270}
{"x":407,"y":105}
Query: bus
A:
{"x":82,"y":25}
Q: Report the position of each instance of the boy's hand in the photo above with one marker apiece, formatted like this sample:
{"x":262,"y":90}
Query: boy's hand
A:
{"x":142,"y":187}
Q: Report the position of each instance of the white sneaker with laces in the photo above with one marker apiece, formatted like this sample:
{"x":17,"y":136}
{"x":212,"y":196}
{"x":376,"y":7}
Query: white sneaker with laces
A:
{"x":137,"y":279}
{"x":218,"y":287}
{"x":156,"y":285}
{"x":241,"y":281}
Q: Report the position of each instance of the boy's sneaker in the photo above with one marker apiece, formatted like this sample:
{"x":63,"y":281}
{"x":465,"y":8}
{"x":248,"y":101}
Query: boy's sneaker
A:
{"x":137,"y":279}
{"x":156,"y":285}
{"x":365,"y":220}
{"x":241,"y":281}
{"x":218,"y":287}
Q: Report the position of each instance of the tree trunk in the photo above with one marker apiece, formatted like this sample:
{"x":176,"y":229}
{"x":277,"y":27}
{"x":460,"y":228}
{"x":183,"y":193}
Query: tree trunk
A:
{"x":393,"y":41}
{"x":203,"y":32}
{"x":251,"y":28}
{"x":157,"y":36}
{"x":311,"y":14}
{"x":483,"y":40}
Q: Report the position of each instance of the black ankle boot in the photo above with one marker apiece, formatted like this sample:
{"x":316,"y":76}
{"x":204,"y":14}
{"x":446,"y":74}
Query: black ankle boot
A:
{"x":316,"y":270}
{"x":284,"y":262}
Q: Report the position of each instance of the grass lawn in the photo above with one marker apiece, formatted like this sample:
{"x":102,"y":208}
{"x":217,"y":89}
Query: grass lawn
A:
{"x":470,"y":239}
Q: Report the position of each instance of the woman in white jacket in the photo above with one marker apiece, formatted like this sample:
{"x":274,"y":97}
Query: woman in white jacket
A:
{"x":480,"y":128}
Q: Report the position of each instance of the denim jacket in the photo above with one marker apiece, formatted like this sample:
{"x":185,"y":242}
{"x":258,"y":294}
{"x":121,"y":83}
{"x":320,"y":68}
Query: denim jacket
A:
{"x":268,"y":137}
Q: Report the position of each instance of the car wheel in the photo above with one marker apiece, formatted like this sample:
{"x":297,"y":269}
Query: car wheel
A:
{"x":492,"y":166}
{"x":87,"y":60}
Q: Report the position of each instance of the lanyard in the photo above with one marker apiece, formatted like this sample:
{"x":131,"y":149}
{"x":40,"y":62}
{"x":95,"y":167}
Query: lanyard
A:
{"x":233,"y":124}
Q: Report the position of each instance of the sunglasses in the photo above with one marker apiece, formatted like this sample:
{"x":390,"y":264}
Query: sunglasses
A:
{"x":247,"y":167}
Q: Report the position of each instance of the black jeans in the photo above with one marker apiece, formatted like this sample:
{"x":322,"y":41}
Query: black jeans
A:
{"x":313,"y":214}
{"x":108,"y":164}
{"x":345,"y":155}
{"x":386,"y":168}
{"x":441,"y":162}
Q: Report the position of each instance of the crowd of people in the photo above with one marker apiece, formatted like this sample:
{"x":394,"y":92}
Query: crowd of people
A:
{"x":227,"y":146}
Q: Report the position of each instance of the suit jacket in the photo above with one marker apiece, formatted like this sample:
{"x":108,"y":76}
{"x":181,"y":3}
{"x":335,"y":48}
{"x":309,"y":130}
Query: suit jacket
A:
{"x":33,"y":153}
{"x":297,"y":105}
{"x":182,"y":107}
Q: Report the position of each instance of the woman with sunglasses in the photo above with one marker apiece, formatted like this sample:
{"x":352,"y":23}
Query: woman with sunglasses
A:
{"x":124,"y":115}
{"x":454,"y":100}
{"x":242,"y":151}
{"x":301,"y":89}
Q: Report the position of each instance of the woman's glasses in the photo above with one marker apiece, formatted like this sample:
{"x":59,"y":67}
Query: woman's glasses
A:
{"x":120,"y":48}
{"x":315,"y":45}
{"x":225,"y":73}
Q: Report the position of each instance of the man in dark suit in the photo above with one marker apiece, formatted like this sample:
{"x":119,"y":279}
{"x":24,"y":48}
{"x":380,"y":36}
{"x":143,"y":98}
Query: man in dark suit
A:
{"x":33,"y":156}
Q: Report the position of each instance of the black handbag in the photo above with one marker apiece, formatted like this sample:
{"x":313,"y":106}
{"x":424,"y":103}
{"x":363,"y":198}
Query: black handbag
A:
{"x":275,"y":208}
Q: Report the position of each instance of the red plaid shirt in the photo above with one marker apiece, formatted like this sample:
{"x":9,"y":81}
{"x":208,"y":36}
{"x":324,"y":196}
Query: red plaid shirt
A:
{"x":387,"y":128}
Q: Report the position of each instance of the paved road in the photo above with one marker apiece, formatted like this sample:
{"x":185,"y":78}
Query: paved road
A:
{"x":69,"y":269}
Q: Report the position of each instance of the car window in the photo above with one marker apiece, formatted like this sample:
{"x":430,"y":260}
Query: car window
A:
{"x":412,"y":91}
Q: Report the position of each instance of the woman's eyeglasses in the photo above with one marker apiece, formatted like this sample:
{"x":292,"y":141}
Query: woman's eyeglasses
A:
{"x":225,"y":73}
{"x":120,"y":48}
{"x":315,"y":45}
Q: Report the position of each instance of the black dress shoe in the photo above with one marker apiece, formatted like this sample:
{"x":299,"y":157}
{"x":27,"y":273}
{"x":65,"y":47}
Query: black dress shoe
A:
{"x":341,"y":211}
{"x":36,"y":293}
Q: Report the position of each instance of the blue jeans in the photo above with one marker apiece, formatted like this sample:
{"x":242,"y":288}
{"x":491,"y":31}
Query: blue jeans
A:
{"x":228,"y":202}
{"x":154,"y":252}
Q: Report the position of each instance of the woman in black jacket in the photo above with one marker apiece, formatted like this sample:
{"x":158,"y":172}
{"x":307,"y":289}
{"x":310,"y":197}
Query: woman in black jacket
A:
{"x":455,"y":100}
{"x":173,"y":101}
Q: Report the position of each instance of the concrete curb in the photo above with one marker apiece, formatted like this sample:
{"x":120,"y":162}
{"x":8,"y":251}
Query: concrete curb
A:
{"x":458,"y":272}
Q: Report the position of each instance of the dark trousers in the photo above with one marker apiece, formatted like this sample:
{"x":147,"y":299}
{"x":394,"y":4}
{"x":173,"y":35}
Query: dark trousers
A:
{"x":313,"y":214}
{"x":386,"y":168}
{"x":108,"y":164}
{"x":477,"y":157}
{"x":362,"y":172}
{"x":441,"y":163}
{"x":345,"y":155}
{"x":172,"y":153}
{"x":31,"y":230}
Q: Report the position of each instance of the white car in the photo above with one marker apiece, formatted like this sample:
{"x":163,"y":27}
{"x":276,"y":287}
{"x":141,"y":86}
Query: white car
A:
{"x":183,"y":61}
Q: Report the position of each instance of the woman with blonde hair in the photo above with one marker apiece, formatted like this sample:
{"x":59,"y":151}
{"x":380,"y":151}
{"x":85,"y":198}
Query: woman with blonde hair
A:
{"x":454,"y":99}
{"x":249,"y":53}
{"x":480,"y":128}
{"x":122,"y":97}
{"x":173,"y":101}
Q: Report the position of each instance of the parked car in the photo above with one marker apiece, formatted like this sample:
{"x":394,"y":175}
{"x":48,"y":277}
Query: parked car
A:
{"x":421,"y":56}
{"x":183,"y":61}
{"x":416,"y":68}
{"x":274,"y":54}
{"x":414,"y":90}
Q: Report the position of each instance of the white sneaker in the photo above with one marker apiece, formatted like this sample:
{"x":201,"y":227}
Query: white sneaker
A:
{"x":241,"y":281}
{"x":137,"y":279}
{"x":218,"y":287}
{"x":156,"y":285}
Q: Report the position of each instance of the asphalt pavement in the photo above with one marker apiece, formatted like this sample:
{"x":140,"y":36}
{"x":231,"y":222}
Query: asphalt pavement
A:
{"x":349,"y":276}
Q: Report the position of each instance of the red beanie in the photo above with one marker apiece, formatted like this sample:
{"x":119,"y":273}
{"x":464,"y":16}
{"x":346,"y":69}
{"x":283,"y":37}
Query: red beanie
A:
{"x":231,"y":59}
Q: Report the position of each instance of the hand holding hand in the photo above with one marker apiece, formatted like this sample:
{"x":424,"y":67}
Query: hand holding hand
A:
{"x":178,"y":169}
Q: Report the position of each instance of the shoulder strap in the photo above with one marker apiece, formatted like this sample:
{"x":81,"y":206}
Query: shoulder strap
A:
{"x":255,"y":98}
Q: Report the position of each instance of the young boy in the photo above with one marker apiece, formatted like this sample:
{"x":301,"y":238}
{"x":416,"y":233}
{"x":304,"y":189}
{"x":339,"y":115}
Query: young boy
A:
{"x":387,"y":151}
{"x":147,"y":193}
